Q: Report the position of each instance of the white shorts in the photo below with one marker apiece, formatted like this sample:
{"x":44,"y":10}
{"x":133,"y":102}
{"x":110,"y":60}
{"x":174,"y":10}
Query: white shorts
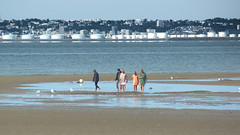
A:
{"x":123,"y":83}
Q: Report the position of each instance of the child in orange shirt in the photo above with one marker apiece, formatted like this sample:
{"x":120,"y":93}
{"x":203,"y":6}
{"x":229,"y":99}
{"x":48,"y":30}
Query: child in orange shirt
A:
{"x":135,"y":80}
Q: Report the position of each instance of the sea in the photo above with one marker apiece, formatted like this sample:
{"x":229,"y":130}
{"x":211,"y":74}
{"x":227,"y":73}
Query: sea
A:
{"x":54,"y":58}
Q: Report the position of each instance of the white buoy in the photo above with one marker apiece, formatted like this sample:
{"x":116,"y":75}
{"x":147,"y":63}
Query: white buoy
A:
{"x":171,"y":77}
{"x":52,"y":91}
{"x":71,"y":90}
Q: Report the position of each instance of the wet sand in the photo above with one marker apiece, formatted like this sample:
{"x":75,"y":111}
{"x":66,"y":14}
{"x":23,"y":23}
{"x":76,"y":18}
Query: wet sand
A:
{"x":117,"y":121}
{"x":8,"y":82}
{"x":67,"y":120}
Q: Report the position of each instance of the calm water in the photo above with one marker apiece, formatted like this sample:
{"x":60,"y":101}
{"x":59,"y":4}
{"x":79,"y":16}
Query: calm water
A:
{"x":151,"y":99}
{"x":155,"y":57}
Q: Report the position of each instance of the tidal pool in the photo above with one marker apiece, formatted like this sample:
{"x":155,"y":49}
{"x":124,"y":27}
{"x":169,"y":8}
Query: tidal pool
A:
{"x":174,"y":96}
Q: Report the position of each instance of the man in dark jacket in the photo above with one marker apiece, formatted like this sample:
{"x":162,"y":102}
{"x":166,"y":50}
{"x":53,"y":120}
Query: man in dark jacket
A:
{"x":96,"y":79}
{"x":117,"y":79}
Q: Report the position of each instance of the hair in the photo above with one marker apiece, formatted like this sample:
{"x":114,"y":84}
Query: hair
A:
{"x":141,"y":71}
{"x":135,"y":73}
{"x":118,"y":69}
{"x":123,"y":71}
{"x":94,"y":71}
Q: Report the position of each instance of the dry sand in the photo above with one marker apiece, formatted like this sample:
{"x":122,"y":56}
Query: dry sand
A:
{"x":66,"y":120}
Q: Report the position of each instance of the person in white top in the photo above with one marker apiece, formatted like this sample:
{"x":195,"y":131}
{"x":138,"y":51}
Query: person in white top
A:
{"x":123,"y":80}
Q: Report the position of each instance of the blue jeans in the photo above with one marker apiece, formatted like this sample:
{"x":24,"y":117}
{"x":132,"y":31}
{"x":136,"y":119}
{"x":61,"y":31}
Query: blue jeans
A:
{"x":96,"y":85}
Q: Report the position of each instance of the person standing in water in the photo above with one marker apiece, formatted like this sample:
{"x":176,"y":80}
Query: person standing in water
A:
{"x":135,"y":80}
{"x":123,"y":80}
{"x":96,"y":79}
{"x":117,"y":79}
{"x":142,"y":79}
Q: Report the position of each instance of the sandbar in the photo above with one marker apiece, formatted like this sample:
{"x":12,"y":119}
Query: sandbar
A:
{"x":67,"y":120}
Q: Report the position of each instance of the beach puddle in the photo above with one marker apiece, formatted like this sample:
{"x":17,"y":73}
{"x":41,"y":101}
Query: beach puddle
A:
{"x":110,"y":86}
{"x":156,"y":95}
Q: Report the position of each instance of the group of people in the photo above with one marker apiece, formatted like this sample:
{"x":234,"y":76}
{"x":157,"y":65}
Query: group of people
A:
{"x":121,"y":78}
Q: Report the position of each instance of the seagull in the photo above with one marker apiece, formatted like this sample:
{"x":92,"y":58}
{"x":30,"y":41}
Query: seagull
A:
{"x":38,"y":92}
{"x":171,"y":77}
{"x":52,"y":91}
{"x":220,"y":79}
{"x":71,"y":90}
{"x":239,"y":89}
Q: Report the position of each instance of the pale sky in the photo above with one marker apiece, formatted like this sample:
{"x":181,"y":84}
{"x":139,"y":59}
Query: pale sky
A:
{"x":119,"y":9}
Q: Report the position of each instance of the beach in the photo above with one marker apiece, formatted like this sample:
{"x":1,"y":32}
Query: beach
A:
{"x":61,"y":120}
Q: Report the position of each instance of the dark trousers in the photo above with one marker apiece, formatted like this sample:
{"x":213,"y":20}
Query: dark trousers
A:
{"x":117,"y":83}
{"x":96,"y":85}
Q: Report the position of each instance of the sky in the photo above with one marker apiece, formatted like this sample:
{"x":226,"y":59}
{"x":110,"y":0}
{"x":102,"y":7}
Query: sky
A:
{"x":119,"y":9}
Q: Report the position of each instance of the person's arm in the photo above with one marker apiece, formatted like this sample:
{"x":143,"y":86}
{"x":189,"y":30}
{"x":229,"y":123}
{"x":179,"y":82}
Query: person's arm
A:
{"x":93,"y":77}
{"x":145,"y":78}
{"x":126,"y":78}
{"x":97,"y":77}
{"x":116,"y":77}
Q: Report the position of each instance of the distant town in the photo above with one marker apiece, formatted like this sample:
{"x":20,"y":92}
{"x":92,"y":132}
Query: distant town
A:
{"x":29,"y":29}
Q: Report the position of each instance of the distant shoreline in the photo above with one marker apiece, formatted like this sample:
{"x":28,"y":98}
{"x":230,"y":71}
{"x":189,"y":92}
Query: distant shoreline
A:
{"x":166,"y":39}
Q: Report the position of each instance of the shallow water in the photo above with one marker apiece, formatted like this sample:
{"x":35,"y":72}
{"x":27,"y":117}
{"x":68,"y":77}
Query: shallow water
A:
{"x":174,"y":96}
{"x":109,"y":86}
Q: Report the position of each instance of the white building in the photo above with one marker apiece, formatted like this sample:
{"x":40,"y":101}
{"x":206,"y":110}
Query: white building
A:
{"x":152,"y":36}
{"x":192,"y":36}
{"x":151,"y":31}
{"x":10,"y":36}
{"x":211,"y":34}
{"x":160,"y":23}
{"x":201,"y":35}
{"x":162,"y":35}
{"x":96,"y":36}
{"x":172,"y":36}
{"x":232,"y":35}
{"x":27,"y":36}
{"x":127,"y":36}
{"x":133,"y":36}
{"x":45,"y":36}
{"x":114,"y":37}
{"x":57,"y":36}
{"x":120,"y":37}
{"x":222,"y":34}
{"x":78,"y":36}
{"x":184,"y":36}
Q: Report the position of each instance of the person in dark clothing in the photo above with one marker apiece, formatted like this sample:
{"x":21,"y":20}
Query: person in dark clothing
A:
{"x":117,"y":79}
{"x":96,"y":79}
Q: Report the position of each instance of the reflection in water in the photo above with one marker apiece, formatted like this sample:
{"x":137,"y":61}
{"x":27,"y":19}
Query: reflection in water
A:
{"x":122,"y":100}
{"x":134,"y":101}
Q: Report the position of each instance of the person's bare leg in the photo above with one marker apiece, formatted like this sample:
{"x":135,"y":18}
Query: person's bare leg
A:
{"x":142,"y":88}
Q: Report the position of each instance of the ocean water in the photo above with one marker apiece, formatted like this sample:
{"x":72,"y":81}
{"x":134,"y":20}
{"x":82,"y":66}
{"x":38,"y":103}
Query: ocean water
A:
{"x":35,"y":58}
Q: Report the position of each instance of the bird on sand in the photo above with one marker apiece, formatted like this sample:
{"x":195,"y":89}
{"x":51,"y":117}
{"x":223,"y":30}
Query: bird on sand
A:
{"x":38,"y":92}
{"x":52,"y":91}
